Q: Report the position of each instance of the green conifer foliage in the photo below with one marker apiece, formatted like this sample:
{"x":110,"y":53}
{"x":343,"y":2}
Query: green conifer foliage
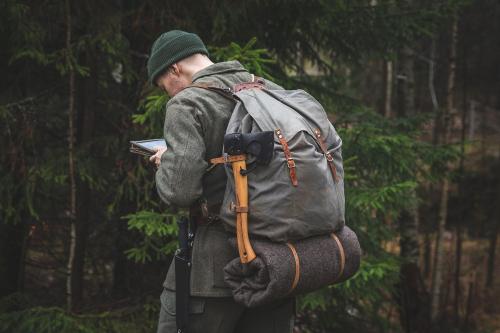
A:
{"x":385,"y":159}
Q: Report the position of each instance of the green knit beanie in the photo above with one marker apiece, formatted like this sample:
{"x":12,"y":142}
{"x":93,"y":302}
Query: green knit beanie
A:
{"x":171,"y":47}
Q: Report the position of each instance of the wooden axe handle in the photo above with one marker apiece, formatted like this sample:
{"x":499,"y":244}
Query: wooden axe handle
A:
{"x":241,"y":191}
{"x":239,"y":238}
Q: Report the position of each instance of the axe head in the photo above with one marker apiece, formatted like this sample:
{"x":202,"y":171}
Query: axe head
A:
{"x":259,"y":144}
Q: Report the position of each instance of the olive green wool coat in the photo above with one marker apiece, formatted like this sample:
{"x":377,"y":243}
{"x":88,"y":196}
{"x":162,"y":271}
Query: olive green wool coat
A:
{"x":195,"y":124}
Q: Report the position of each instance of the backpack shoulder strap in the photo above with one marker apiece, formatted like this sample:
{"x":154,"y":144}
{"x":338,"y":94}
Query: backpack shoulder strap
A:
{"x":223,"y":91}
{"x":256,"y":83}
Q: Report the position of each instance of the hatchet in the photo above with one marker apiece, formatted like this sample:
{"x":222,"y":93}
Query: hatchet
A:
{"x":259,"y":148}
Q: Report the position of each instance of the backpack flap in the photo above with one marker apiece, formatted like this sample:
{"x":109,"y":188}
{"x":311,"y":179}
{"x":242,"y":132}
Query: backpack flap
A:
{"x":295,"y":196}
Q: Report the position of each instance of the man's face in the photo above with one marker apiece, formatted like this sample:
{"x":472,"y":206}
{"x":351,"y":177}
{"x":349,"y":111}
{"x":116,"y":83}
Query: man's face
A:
{"x":172,"y":81}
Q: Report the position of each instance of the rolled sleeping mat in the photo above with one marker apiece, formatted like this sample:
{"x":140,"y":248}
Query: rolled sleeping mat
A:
{"x":287,"y":269}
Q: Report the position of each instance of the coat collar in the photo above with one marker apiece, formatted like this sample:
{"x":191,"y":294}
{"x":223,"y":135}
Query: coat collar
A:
{"x":219,"y":68}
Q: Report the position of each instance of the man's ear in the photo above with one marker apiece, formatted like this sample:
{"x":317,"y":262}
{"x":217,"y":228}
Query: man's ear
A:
{"x":176,"y":69}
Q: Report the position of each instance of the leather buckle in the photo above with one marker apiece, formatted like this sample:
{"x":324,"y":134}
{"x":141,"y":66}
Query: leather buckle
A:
{"x":290,"y":162}
{"x":329,"y":157}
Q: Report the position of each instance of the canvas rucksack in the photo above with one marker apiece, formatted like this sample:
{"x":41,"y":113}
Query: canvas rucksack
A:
{"x":301,"y":192}
{"x":288,"y":206}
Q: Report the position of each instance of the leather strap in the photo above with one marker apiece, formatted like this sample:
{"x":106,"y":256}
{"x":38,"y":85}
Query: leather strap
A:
{"x":237,"y":209}
{"x":209,"y":86}
{"x":297,"y":267}
{"x":204,"y":86}
{"x":342,"y":256}
{"x":223,"y":91}
{"x":248,"y":85}
{"x":241,"y":209}
{"x":288,"y":155}
{"x":329,"y":157}
{"x":256,"y":83}
{"x":200,"y":213}
{"x":258,"y":79}
{"x":205,"y":220}
{"x":228,"y":159}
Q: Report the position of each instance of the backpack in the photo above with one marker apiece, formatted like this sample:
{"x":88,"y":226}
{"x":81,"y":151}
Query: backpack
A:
{"x":301,"y":192}
{"x":295,"y":208}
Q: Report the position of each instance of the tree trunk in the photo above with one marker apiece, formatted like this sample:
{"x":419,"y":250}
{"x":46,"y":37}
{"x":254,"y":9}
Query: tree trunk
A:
{"x":439,"y":252}
{"x":427,"y":254}
{"x":490,"y":271}
{"x":12,"y":243}
{"x":461,"y":192}
{"x":443,"y":207}
{"x":80,"y":245}
{"x":407,"y":83}
{"x":71,"y":280}
{"x":121,"y":263}
{"x":432,"y":91}
{"x":492,"y":248}
{"x":470,"y":307}
{"x":412,"y":288}
{"x":491,"y":256}
{"x":388,"y":75}
{"x":412,"y":293}
{"x":458,"y":264}
{"x":85,"y":130}
{"x":435,"y":108}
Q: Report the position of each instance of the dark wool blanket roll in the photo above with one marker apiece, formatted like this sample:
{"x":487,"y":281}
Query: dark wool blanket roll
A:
{"x":287,"y":269}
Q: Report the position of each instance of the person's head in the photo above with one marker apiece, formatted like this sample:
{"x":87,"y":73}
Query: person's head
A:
{"x":175,"y":57}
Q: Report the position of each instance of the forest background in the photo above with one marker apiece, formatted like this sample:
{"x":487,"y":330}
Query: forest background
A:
{"x":413,"y":87}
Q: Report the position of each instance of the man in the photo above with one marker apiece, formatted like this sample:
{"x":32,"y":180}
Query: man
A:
{"x":195,"y":123}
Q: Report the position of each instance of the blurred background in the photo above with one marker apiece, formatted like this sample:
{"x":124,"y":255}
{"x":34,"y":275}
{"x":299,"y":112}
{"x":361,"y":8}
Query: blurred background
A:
{"x":413,"y":88}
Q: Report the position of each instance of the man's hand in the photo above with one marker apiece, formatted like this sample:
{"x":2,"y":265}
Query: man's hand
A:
{"x":156,"y":158}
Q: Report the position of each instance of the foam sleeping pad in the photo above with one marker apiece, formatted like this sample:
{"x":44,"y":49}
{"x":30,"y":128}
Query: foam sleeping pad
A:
{"x":287,"y":269}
